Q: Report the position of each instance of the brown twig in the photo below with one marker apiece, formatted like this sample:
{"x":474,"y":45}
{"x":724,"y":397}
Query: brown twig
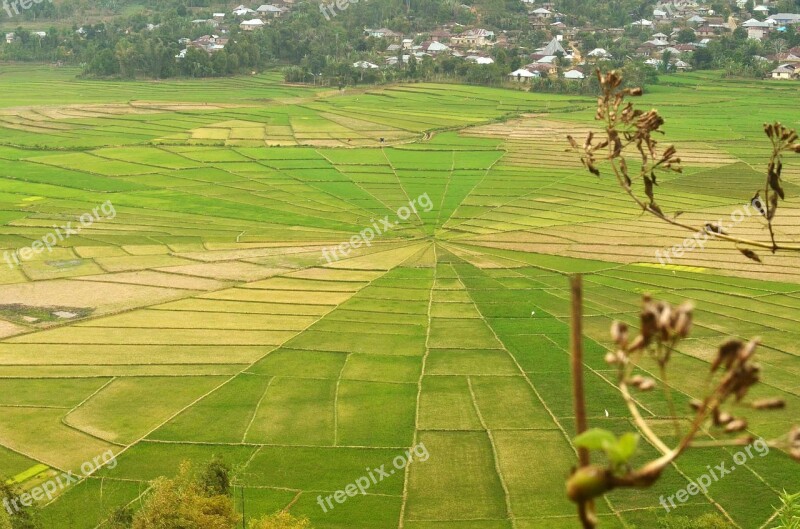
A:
{"x":586,"y":510}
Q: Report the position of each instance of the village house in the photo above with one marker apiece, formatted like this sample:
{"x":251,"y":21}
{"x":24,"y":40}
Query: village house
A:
{"x":252,"y":25}
{"x":543,"y":70}
{"x":243,"y":11}
{"x":10,"y":38}
{"x":756,"y":29}
{"x":574,"y":75}
{"x":761,"y":10}
{"x":522,"y":75}
{"x":434,"y":48}
{"x":706,"y":32}
{"x":785,"y":19}
{"x":477,"y":38}
{"x":440,"y":35}
{"x":384,"y":33}
{"x":270,"y":11}
{"x":599,"y":54}
{"x":785,"y":72}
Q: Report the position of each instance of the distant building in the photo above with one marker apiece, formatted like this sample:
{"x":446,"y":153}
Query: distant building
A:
{"x":574,"y":75}
{"x":270,"y":11}
{"x":433,"y":47}
{"x":682,"y":66}
{"x":756,"y":29}
{"x":473,"y":38}
{"x":553,"y":48}
{"x":542,"y":13}
{"x":365,"y":65}
{"x":243,"y":11}
{"x":251,"y":25}
{"x":599,"y":53}
{"x":523,"y":75}
{"x":785,"y":19}
{"x":785,"y":72}
{"x":384,"y":33}
{"x":10,"y":38}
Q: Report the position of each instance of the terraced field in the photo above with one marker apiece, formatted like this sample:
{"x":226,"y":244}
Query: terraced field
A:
{"x":202,"y":317}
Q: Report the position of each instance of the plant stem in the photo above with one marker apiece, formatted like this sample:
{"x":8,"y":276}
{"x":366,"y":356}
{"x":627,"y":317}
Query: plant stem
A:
{"x":586,"y":510}
{"x":576,"y":348}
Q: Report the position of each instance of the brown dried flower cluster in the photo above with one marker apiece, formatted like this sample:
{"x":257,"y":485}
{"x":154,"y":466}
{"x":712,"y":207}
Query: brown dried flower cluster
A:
{"x":626,"y":128}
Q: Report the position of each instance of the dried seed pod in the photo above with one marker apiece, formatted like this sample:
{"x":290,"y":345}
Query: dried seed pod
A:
{"x":647,"y":384}
{"x":619,"y":333}
{"x":749,"y":350}
{"x":794,"y":436}
{"x":726,"y":354}
{"x":636,"y":380}
{"x":722,"y":418}
{"x":769,"y":404}
{"x":683,"y":324}
{"x":665,"y":318}
{"x":696,"y":404}
{"x":611,"y":358}
{"x":736,"y":426}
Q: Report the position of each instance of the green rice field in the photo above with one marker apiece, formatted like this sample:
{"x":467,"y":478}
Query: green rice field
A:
{"x":201,"y":317}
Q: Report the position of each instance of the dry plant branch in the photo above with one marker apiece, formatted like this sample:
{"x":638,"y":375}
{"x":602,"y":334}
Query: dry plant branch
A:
{"x":631,"y":132}
{"x":731,"y":375}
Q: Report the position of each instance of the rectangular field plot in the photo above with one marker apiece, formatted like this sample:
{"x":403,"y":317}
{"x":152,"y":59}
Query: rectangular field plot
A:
{"x":509,"y":402}
{"x":461,"y":334}
{"x":526,"y":461}
{"x":375,"y":413}
{"x":286,"y":362}
{"x":458,"y":482}
{"x":116,"y":414}
{"x":323,"y":469}
{"x":224,"y":416}
{"x":364,"y":512}
{"x":470,"y":362}
{"x":63,"y":393}
{"x":149,"y":460}
{"x":296,"y":412}
{"x":446,"y":404}
{"x":78,"y":508}
{"x":382,"y":368}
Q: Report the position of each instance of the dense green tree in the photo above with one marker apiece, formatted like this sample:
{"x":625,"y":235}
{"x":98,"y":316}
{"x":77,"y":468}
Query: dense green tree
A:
{"x":184,"y":502}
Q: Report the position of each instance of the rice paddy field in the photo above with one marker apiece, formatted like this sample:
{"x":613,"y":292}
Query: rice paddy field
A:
{"x":203,"y":319}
